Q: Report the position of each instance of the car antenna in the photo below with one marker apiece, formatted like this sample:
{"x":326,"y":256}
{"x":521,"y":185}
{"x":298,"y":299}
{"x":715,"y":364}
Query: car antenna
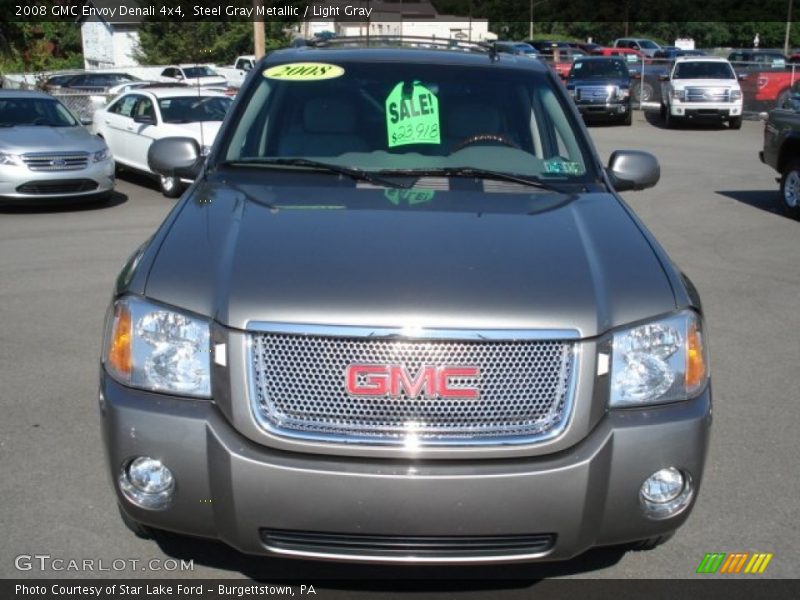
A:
{"x":202,"y":128}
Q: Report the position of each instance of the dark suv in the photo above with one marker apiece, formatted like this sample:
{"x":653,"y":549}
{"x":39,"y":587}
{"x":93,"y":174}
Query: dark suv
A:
{"x":601,"y":88}
{"x":402,"y":315}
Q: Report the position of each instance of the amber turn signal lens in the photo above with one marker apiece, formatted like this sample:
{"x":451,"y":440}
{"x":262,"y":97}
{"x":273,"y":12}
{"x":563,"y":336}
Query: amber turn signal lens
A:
{"x":119,"y":352}
{"x":695,"y":358}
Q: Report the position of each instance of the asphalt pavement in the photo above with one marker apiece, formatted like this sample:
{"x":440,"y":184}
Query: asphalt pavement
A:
{"x":716,"y":212}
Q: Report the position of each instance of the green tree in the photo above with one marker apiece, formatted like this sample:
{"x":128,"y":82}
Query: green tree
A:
{"x":218,"y":42}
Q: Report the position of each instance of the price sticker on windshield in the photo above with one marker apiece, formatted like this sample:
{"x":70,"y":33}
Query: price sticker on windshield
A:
{"x":412,"y":115}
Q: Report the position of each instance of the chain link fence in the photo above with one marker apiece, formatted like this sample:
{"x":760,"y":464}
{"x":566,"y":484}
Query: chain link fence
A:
{"x":81,"y":104}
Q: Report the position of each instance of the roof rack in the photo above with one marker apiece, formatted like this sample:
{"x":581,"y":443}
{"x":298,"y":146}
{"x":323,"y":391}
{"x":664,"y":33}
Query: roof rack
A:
{"x":398,"y":41}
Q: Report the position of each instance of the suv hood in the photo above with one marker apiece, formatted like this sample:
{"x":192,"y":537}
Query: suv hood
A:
{"x":339,"y":255}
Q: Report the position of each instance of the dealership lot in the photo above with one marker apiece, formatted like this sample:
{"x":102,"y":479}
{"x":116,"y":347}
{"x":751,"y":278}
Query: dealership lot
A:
{"x":715,"y":211}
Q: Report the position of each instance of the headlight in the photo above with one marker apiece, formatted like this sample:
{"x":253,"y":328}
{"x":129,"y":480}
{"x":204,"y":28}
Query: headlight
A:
{"x":663,"y":361}
{"x":101,"y":155}
{"x":10,"y":159}
{"x":678,"y":94}
{"x":623,"y":93}
{"x":158,"y":348}
{"x":736,"y":94}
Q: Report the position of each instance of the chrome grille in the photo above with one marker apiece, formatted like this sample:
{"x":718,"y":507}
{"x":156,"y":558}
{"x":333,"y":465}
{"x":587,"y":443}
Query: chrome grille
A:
{"x":696,"y":94}
{"x":595,"y":93}
{"x":56,"y":161}
{"x":299,"y":389}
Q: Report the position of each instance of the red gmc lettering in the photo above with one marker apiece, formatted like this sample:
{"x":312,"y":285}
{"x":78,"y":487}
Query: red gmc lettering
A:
{"x":394,"y":380}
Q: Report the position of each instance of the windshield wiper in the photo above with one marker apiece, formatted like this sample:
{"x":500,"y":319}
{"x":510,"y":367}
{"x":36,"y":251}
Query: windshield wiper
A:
{"x":478,"y":173}
{"x":351,"y":172}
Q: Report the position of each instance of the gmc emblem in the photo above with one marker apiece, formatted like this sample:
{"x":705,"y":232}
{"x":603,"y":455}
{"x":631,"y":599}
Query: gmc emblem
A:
{"x":393,"y":380}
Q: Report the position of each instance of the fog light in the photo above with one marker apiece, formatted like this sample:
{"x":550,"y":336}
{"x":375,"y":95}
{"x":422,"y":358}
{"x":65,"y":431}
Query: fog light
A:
{"x":147,"y":482}
{"x":666,"y":493}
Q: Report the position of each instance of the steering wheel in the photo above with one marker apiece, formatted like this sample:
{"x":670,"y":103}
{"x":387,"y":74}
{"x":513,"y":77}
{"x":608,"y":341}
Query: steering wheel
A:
{"x":39,"y":121}
{"x":485,"y":137}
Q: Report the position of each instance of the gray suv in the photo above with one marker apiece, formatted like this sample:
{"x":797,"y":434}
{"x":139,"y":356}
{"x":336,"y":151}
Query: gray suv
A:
{"x":402,"y":315}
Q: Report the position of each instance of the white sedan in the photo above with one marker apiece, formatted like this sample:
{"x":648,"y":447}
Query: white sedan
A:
{"x":131,"y":122}
{"x":198,"y":75}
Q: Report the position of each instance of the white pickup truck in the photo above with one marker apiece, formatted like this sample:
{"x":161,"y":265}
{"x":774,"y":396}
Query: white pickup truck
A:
{"x":236,"y":73}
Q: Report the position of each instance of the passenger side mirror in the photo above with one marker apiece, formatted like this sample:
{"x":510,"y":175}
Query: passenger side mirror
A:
{"x":86,"y":120}
{"x":633,"y":170}
{"x":663,"y":77}
{"x":175,"y":157}
{"x":741,"y":76}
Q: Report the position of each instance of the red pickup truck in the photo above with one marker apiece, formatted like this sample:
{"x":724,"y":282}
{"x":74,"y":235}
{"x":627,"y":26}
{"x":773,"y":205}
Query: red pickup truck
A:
{"x":764,"y":90}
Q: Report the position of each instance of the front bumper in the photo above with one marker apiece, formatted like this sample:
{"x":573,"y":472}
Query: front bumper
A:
{"x":19,"y":183}
{"x":711,"y":110}
{"x":607,"y":110}
{"x":231,"y":489}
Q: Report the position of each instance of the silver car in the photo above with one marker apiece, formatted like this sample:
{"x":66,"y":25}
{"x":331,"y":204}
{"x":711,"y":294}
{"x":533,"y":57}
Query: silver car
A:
{"x":46,"y":154}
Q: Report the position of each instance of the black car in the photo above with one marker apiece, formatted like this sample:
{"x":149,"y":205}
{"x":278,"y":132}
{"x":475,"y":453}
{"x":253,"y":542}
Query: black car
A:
{"x":744,"y":61}
{"x":95,"y":82}
{"x":601,"y":88}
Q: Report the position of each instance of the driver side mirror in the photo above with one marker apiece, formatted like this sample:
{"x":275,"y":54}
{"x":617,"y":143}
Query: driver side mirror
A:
{"x":175,"y":157}
{"x":633,"y":170}
{"x":663,"y":77}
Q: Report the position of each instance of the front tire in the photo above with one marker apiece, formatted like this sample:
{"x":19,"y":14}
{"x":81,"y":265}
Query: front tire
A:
{"x":628,"y":118}
{"x":170,"y":186}
{"x":735,"y":122}
{"x":642,"y":92}
{"x":651,"y":543}
{"x":670,"y":122}
{"x":782,"y":98}
{"x":790,"y":188}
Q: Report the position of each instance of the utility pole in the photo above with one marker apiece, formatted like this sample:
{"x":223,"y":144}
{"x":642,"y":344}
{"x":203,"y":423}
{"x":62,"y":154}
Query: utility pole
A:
{"x":258,"y":31}
{"x":788,"y":29}
{"x":530,"y":23}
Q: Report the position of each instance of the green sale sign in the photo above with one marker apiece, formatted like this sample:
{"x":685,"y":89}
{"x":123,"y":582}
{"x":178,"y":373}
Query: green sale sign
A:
{"x":412,"y":115}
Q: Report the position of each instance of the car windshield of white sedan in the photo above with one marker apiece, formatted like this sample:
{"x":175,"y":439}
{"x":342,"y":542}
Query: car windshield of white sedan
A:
{"x":34,"y":112}
{"x":193,"y":109}
{"x":400,"y":117}
{"x":704,"y":70}
{"x":194,"y":72}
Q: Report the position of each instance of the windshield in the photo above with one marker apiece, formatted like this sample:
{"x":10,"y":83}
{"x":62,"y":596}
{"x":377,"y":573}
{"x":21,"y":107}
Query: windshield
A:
{"x":704,"y":70}
{"x":193,"y":109}
{"x":34,"y":111}
{"x":599,"y":69}
{"x":411,"y":116}
{"x":648,"y":45}
{"x":194,"y":72}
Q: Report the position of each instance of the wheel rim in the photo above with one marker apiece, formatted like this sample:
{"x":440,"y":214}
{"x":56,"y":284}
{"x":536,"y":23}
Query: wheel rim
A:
{"x":168,"y":183}
{"x":791,"y":189}
{"x":645,"y":93}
